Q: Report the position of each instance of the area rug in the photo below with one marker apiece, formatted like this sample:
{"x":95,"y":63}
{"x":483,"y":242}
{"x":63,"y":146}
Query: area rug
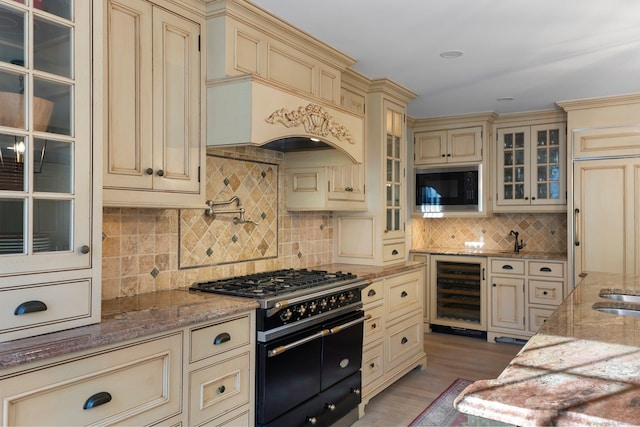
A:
{"x":441,"y":411}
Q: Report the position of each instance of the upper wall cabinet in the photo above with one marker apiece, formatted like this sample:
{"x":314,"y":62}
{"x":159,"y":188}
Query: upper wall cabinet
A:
{"x":451,"y":140}
{"x":50,"y":206}
{"x":153,"y":151}
{"x":530,"y":164}
{"x":448,"y":146}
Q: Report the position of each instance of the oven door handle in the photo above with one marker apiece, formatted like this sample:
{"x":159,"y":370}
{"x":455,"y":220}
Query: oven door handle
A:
{"x":337,"y":329}
{"x":281,"y":349}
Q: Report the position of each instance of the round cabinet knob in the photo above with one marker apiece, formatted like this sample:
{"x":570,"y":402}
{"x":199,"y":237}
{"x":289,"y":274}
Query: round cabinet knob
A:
{"x":533,"y":198}
{"x":221,"y":389}
{"x":312,"y":420}
{"x":84,"y":249}
{"x":148,"y":171}
{"x":160,"y":173}
{"x":331,"y":406}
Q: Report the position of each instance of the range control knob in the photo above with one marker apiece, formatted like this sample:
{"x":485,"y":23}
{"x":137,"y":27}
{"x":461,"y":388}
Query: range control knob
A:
{"x":323,"y":303}
{"x":342,"y":298}
{"x":302,"y":310}
{"x":313,"y":306}
{"x":286,"y":315}
{"x":333,"y":300}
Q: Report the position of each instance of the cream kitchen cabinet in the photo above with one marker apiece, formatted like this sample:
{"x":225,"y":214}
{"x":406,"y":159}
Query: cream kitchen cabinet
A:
{"x":153,"y":133}
{"x":522,"y":295}
{"x":393,"y":342}
{"x":328,"y":181}
{"x":448,"y":146}
{"x":377,"y":236}
{"x":424,"y":258}
{"x":50,"y":196}
{"x":200,"y":374}
{"x":137,"y":383}
{"x":530,"y":168}
{"x":604,"y":207}
{"x":605,"y":215}
{"x":219,"y":373}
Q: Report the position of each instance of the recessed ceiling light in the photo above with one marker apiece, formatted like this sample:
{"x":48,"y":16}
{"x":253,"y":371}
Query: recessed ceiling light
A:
{"x":450,"y":54}
{"x":505,"y":98}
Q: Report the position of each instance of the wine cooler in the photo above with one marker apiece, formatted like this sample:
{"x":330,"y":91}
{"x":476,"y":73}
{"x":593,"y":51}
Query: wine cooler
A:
{"x":458,"y":293}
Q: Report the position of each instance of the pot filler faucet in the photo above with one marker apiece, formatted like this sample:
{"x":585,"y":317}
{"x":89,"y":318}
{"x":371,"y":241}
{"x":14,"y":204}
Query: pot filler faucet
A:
{"x":516,"y":246}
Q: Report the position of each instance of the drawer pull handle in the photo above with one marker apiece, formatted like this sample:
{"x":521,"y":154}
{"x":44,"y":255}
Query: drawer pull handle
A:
{"x":546,"y":269}
{"x":30,"y":307}
{"x":404,"y":294}
{"x":394,"y":252}
{"x":373,"y":326}
{"x":97,"y":400}
{"x":372,"y":365}
{"x":222,"y":338}
{"x":221,"y":389}
{"x":404,"y":340}
{"x":507,"y":267}
{"x":371,"y":293}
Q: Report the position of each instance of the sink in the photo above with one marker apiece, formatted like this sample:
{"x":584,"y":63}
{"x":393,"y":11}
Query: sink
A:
{"x":617,"y":308}
{"x":620,"y":295}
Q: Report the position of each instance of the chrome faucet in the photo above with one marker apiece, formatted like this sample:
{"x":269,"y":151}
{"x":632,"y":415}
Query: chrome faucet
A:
{"x":516,"y":246}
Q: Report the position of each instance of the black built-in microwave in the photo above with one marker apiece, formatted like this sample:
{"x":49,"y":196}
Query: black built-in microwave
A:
{"x":448,"y":189}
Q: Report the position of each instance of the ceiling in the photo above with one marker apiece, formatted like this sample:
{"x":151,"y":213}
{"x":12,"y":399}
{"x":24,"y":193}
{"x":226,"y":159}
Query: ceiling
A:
{"x":537,"y":52}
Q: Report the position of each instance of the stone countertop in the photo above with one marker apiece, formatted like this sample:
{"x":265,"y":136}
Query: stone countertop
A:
{"x":150,"y":313}
{"x":123,"y":319}
{"x":581,"y":368}
{"x":491,"y":253}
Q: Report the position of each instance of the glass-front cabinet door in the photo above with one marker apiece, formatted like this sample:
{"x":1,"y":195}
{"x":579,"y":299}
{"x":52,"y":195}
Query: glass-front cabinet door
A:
{"x":45,"y":139}
{"x":530,"y":170}
{"x":394,"y":172}
{"x":548,"y":151}
{"x":513,"y":165}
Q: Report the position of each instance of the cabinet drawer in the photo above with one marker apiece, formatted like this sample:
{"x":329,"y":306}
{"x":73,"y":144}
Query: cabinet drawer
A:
{"x":543,"y":292}
{"x":217,"y":389}
{"x":240,"y":420}
{"x":537,"y":317}
{"x":372,"y":363}
{"x":507,"y":266}
{"x":52,"y":303}
{"x":372,"y":293}
{"x":404,"y":340}
{"x":404,"y":294}
{"x":393,"y":251}
{"x":135,"y":385}
{"x":218,"y":338}
{"x":546,"y":269}
{"x":374,"y":327}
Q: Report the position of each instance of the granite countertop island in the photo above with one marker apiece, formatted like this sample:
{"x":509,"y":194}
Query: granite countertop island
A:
{"x":150,"y":313}
{"x":581,"y":368}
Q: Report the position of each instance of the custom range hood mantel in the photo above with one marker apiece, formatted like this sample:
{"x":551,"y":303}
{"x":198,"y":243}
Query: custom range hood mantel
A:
{"x":251,"y":110}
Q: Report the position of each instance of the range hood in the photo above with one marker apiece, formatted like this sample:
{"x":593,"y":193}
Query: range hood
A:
{"x":250,"y":110}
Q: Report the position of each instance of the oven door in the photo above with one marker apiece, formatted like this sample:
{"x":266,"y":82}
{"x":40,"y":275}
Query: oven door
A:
{"x":290,"y":369}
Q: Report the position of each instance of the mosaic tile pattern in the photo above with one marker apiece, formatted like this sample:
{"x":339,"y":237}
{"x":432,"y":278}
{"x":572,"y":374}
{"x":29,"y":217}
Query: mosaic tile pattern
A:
{"x":141,"y":246}
{"x":540,"y":232}
{"x":211,"y":240}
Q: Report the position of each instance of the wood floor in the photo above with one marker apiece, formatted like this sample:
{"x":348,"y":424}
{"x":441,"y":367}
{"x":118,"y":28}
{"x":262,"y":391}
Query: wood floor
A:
{"x":448,"y":357}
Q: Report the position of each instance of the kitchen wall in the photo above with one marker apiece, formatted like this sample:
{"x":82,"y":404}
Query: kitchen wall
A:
{"x":141,"y":247}
{"x":540,"y":232}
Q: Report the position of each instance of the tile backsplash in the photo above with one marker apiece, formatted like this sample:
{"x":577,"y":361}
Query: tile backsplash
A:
{"x":540,"y":232}
{"x":141,"y":246}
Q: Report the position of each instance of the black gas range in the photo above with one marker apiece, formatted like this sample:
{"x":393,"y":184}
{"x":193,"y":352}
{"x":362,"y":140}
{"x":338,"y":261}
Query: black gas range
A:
{"x":309,"y":343}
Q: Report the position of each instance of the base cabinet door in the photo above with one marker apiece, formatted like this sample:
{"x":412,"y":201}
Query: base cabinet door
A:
{"x":507,"y":303}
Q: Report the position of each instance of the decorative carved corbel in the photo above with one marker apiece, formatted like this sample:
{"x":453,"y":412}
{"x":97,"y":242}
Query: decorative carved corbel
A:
{"x":315,"y":120}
